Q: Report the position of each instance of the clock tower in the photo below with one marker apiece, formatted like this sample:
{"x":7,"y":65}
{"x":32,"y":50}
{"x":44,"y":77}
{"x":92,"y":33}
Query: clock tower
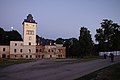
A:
{"x":29,"y":31}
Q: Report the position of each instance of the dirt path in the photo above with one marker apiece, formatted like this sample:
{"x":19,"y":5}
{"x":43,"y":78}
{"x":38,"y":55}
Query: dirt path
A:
{"x":50,"y":70}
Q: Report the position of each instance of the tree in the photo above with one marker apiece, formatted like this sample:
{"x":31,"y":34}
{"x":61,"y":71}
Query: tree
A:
{"x":116,"y":38}
{"x":67,"y":45}
{"x":14,"y":35}
{"x":85,"y":41}
{"x":74,"y":49}
{"x":108,"y":36}
{"x":7,"y":36}
{"x":59,"y":41}
{"x":2,"y":35}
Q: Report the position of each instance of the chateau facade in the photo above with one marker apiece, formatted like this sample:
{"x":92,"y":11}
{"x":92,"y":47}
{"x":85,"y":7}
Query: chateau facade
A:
{"x":29,"y":48}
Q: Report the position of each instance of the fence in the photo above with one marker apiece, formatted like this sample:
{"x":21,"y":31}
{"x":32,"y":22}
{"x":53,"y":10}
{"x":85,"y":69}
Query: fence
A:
{"x":116,"y":53}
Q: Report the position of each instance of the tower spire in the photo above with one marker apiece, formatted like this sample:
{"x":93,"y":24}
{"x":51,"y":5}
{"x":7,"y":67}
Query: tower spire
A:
{"x":29,"y":19}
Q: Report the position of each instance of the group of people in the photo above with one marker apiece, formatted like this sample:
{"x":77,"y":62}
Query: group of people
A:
{"x":111,"y":56}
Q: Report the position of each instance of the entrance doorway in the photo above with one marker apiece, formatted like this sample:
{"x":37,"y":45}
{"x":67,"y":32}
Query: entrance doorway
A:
{"x":3,"y":56}
{"x":42,"y":56}
{"x":50,"y":56}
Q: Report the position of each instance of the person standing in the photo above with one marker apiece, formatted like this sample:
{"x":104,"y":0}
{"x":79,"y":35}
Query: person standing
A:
{"x":105,"y":56}
{"x":112,"y":57}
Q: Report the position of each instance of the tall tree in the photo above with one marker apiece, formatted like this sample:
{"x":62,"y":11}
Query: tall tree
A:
{"x":7,"y":36}
{"x":106,"y":36}
{"x":74,"y":49}
{"x":116,"y":37}
{"x":85,"y":41}
{"x":2,"y":36}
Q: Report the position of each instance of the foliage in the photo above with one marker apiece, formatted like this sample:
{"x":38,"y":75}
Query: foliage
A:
{"x":108,"y":36}
{"x":8,"y":62}
{"x":85,"y":41}
{"x":7,"y":36}
{"x":74,"y":49}
{"x":59,"y":41}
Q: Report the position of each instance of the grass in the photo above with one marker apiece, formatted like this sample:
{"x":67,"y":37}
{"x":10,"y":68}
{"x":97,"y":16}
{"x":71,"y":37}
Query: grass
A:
{"x":109,"y":73}
{"x":8,"y":62}
{"x":89,"y":58}
{"x":77,"y":60}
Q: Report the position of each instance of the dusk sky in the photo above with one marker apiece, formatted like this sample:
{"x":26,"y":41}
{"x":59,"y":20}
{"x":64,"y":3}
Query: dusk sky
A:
{"x":59,"y":18}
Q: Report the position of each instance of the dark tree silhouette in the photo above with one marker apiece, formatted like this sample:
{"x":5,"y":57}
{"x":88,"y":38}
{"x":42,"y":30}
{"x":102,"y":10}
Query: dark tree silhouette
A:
{"x":59,"y":41}
{"x":7,"y":36}
{"x":85,"y":41}
{"x":108,"y":36}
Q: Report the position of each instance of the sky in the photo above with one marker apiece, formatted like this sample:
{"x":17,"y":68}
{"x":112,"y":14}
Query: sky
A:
{"x":59,"y":18}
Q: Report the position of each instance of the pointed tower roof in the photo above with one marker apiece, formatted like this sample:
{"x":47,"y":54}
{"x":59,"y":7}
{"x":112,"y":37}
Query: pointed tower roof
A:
{"x":29,"y":19}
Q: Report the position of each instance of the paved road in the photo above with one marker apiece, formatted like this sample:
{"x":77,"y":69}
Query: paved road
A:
{"x":51,"y":70}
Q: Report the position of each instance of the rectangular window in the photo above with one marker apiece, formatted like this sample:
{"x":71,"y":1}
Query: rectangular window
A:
{"x":60,"y":50}
{"x":40,"y":50}
{"x":3,"y":49}
{"x":29,"y":43}
{"x":30,"y":32}
{"x":52,"y":51}
{"x":26,"y":56}
{"x":30,"y":38}
{"x":15,"y":50}
{"x":30,"y":56}
{"x":15,"y":44}
{"x":21,"y":50}
{"x":21,"y":44}
{"x":29,"y":50}
{"x":21,"y":56}
{"x":36,"y":50}
{"x":26,"y":24}
{"x":49,"y":50}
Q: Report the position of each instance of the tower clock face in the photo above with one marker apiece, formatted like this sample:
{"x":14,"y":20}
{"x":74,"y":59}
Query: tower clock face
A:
{"x":30,"y":32}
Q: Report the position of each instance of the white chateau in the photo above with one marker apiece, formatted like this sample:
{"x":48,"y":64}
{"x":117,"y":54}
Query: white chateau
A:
{"x":28,"y":48}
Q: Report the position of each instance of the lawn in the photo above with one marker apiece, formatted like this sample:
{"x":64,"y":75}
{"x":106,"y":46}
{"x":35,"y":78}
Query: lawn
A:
{"x":8,"y":62}
{"x":109,"y":73}
{"x":77,"y":60}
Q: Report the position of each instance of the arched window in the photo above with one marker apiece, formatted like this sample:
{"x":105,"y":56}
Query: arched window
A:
{"x":15,"y":50}
{"x":49,"y":50}
{"x":3,"y":56}
{"x":30,"y":56}
{"x":26,"y":56}
{"x":15,"y":44}
{"x":40,"y":50}
{"x":21,"y":56}
{"x":3,"y":49}
{"x":29,"y":50}
{"x":21,"y":50}
{"x":50,"y":56}
{"x":29,"y":43}
{"x":36,"y":50}
{"x":52,"y":50}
